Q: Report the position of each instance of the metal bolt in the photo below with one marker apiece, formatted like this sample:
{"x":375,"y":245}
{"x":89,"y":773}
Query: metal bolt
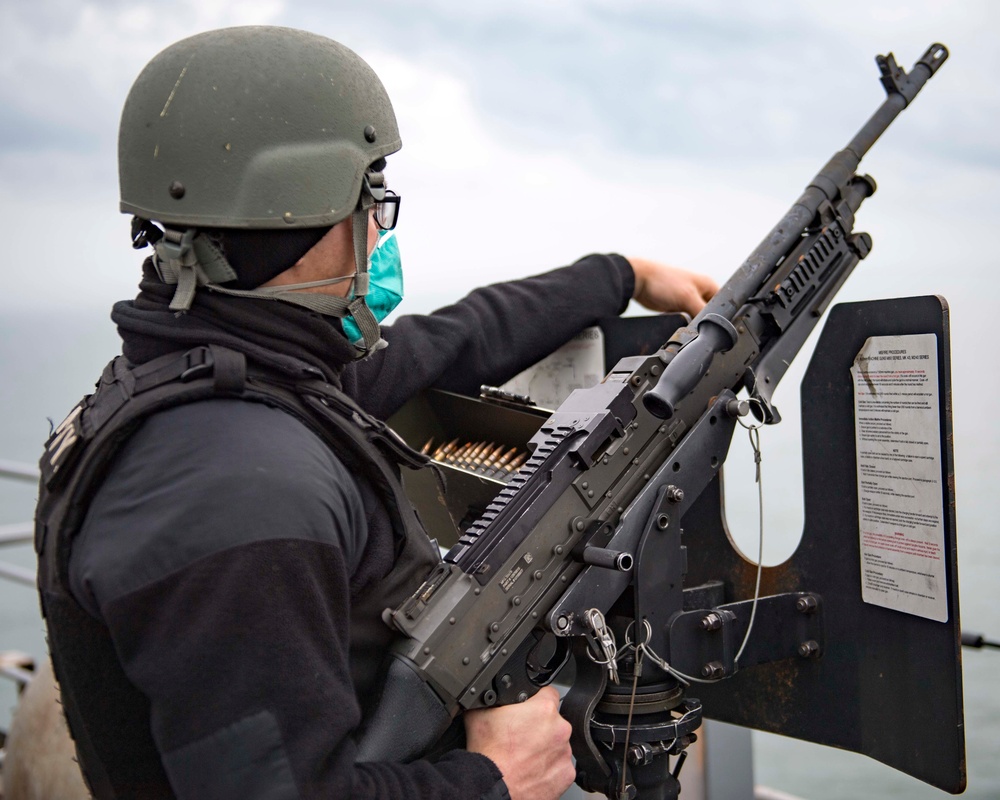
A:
{"x":711,"y":622}
{"x":176,"y":190}
{"x":288,"y":217}
{"x":675,"y":494}
{"x":662,"y":522}
{"x":522,"y":696}
{"x":506,"y":681}
{"x":370,"y":134}
{"x":562,"y":623}
{"x":516,"y":601}
{"x":465,"y":660}
{"x":495,"y":627}
{"x":737,"y":408}
{"x":654,"y":370}
{"x":558,"y":549}
{"x":636,"y":380}
{"x":806,"y":604}
{"x":809,"y":649}
{"x":640,"y":754}
{"x":713,"y":670}
{"x":538,"y":575}
{"x":452,"y":621}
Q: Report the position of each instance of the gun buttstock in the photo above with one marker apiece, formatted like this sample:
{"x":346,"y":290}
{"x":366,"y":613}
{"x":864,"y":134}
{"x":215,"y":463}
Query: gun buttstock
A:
{"x":407,"y":719}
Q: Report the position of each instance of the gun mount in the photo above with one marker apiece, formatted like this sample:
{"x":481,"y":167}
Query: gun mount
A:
{"x":609,"y":544}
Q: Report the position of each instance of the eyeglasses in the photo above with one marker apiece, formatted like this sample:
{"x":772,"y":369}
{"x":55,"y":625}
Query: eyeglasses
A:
{"x":387,"y":211}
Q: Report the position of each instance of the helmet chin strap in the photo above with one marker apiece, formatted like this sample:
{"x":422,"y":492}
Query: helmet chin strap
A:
{"x":371,"y":333}
{"x":190,"y":260}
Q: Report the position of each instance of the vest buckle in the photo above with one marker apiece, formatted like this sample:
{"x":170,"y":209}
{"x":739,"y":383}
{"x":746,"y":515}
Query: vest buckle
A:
{"x":198,"y":363}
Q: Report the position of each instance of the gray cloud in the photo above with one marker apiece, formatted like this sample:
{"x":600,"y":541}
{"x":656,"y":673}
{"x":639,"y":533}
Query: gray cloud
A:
{"x":692,"y":79}
{"x":22,"y":130}
{"x":742,"y":95}
{"x":695,"y":80}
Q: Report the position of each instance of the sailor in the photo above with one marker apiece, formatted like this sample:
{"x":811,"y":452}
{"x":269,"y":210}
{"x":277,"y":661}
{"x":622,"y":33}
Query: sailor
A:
{"x":220,"y":523}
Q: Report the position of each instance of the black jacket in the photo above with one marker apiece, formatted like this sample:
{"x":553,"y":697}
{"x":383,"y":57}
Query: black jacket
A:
{"x":240,"y":568}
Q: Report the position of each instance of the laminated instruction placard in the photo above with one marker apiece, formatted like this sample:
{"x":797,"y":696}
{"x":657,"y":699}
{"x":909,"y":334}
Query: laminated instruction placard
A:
{"x":897,"y":425}
{"x":578,"y":364}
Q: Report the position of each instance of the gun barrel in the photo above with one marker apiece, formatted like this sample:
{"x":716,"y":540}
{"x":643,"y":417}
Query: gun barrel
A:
{"x":826,"y":185}
{"x":829,"y":185}
{"x":902,"y":88}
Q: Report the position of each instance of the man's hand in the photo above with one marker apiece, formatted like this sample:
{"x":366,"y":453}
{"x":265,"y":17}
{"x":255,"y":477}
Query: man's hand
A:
{"x":529,"y":743}
{"x":660,"y":287}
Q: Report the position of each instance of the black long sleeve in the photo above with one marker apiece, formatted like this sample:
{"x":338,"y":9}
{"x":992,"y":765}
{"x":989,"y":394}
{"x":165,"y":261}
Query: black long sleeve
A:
{"x":491,"y":334}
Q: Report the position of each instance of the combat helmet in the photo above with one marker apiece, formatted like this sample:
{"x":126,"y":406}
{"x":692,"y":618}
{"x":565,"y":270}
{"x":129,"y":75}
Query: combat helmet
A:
{"x":255,"y":129}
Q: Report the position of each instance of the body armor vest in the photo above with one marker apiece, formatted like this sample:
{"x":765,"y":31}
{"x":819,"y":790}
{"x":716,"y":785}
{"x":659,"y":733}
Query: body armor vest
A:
{"x":107,"y":716}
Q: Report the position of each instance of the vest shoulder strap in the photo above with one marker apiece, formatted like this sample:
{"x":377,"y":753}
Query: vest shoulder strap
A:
{"x":82,"y":447}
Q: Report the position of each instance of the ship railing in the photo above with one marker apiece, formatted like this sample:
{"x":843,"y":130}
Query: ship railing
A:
{"x":16,"y":666}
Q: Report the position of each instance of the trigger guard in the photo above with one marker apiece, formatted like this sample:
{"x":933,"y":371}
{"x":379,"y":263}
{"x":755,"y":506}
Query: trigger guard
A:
{"x":520,"y":677}
{"x":547,"y":671}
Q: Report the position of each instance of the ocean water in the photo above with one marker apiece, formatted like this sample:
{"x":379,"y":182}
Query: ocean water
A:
{"x":46,"y":364}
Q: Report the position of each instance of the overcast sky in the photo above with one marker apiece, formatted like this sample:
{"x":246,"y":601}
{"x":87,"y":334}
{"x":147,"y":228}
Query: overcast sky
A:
{"x":535,"y":132}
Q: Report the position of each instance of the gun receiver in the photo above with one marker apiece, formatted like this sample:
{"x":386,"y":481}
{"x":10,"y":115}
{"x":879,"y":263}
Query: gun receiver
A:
{"x":583,"y":547}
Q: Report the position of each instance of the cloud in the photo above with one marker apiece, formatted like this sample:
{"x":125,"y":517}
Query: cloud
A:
{"x":533,"y":132}
{"x":697,"y":79}
{"x":65,"y":67}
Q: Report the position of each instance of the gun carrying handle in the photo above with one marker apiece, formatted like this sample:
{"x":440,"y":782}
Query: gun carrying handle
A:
{"x":407,"y":719}
{"x":716,"y":334}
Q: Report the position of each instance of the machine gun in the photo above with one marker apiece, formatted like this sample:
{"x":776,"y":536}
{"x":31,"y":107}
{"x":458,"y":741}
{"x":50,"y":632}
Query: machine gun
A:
{"x":580,"y":558}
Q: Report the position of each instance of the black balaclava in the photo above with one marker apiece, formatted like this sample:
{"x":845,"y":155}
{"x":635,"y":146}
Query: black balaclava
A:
{"x":259,"y":255}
